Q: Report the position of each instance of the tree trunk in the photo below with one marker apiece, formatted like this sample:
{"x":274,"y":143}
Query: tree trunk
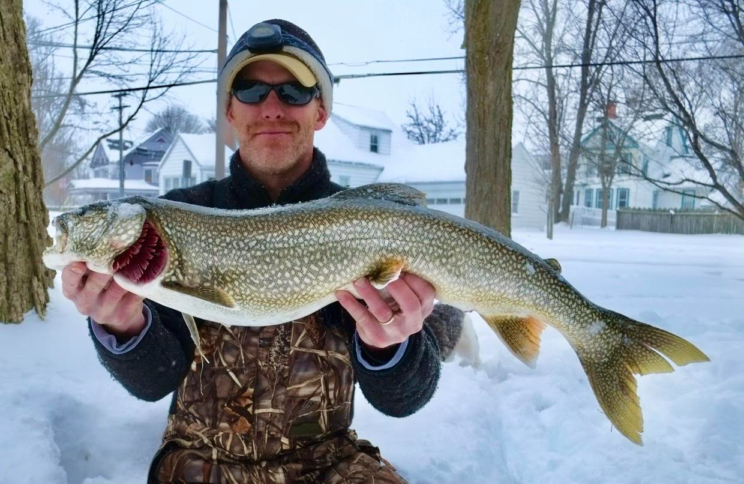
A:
{"x":584,"y":96}
{"x":23,"y":217}
{"x":489,"y":43}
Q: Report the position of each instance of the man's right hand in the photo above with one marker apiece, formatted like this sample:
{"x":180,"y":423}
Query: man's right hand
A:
{"x":100,"y":297}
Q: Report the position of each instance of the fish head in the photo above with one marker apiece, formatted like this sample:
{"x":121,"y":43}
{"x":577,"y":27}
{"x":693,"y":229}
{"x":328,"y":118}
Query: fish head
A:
{"x":96,"y":234}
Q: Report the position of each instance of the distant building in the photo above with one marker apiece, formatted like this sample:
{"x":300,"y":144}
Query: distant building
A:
{"x":657,"y":149}
{"x":141,"y":159}
{"x":188,"y":162}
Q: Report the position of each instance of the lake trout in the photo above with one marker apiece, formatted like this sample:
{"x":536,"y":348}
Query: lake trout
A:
{"x":273,"y":265}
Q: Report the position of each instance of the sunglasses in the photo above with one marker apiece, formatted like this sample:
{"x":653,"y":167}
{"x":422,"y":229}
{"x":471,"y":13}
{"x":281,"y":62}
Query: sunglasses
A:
{"x":292,"y":93}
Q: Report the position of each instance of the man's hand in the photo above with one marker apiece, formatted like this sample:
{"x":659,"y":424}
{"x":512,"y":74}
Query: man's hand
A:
{"x":98,"y":296}
{"x":412,"y":301}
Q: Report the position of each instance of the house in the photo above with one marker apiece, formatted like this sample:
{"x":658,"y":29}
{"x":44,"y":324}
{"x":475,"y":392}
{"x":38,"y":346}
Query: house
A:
{"x":439,"y":171}
{"x":141,"y":159}
{"x":188,"y":162}
{"x":654,"y":148}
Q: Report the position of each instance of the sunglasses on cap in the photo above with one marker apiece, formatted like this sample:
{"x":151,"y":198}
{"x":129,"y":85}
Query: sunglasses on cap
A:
{"x":292,"y":93}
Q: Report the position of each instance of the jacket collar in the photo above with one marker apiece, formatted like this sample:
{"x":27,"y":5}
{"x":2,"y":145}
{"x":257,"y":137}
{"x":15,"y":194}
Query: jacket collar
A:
{"x":249,"y":193}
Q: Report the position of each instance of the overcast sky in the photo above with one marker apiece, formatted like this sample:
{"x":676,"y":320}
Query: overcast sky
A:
{"x":350,"y":31}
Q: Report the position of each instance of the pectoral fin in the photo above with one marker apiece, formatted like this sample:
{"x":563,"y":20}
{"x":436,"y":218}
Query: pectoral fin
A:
{"x":520,"y":334}
{"x":194,"y":331}
{"x":213,"y":295}
{"x":385,"y":272}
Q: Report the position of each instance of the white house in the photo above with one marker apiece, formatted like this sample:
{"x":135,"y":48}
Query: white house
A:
{"x":189,"y":161}
{"x":669,"y":159}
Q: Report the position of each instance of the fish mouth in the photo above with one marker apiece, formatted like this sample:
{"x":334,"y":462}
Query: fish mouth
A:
{"x":144,"y":260}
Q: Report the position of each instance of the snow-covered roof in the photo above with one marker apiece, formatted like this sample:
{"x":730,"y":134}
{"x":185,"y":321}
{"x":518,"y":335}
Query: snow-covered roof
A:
{"x":436,"y":162}
{"x":202,"y":146}
{"x":363,"y":116}
{"x":686,"y":172}
{"x":110,"y":184}
{"x":112,"y":154}
{"x":338,"y":146}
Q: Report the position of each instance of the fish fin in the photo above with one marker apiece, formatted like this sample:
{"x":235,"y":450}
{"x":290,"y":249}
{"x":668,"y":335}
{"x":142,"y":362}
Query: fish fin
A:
{"x":521,"y":334}
{"x":385,"y":272}
{"x":194,"y":331}
{"x":393,"y":192}
{"x":215,"y":295}
{"x":554,"y":264}
{"x":638,"y":350}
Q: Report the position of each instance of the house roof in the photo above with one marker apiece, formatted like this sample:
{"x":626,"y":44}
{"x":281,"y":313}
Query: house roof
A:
{"x":201,"y":147}
{"x":363,"y":117}
{"x":338,"y":146}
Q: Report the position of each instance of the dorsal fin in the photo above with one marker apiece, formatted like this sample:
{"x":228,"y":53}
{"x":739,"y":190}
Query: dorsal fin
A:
{"x":393,"y":192}
{"x":554,"y":264}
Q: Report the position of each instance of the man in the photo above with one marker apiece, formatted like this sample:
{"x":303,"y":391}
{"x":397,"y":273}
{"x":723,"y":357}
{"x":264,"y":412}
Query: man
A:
{"x":271,"y":404}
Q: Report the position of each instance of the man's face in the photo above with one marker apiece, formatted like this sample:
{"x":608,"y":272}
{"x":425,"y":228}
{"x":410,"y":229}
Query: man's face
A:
{"x":273,"y":136}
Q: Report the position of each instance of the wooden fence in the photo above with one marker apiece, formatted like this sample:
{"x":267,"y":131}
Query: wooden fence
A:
{"x":679,"y":222}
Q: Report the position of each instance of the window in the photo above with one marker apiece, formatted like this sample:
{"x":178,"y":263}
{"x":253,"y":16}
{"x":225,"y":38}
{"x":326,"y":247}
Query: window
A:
{"x":515,"y":202}
{"x":645,"y":165}
{"x":668,"y":132}
{"x":343,"y":181}
{"x":591,"y":170}
{"x":441,"y":201}
{"x":374,"y":143}
{"x":688,"y":201}
{"x":455,"y":201}
{"x":578,"y":194}
{"x":588,"y":196}
{"x":655,"y":201}
{"x":600,"y":196}
{"x":623,"y":197}
{"x":148,"y":175}
{"x":624,"y":164}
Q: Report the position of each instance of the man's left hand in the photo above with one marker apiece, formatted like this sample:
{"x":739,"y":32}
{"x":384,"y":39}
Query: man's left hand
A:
{"x":412,"y":301}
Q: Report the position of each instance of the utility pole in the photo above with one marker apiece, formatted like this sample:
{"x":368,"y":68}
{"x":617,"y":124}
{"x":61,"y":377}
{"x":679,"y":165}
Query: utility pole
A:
{"x":221,"y":134}
{"x":120,"y":108}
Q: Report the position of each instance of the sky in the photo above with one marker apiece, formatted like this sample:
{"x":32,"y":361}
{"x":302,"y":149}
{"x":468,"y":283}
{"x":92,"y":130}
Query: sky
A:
{"x":347,"y":31}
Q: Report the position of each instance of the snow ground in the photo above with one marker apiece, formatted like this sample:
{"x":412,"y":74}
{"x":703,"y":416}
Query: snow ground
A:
{"x":63,"y":419}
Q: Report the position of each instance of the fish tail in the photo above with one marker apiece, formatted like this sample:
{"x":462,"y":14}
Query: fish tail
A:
{"x":613,"y":349}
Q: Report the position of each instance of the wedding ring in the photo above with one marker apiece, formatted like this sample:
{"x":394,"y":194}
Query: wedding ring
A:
{"x":389,"y":320}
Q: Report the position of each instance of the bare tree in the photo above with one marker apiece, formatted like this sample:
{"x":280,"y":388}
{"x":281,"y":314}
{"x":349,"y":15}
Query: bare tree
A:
{"x":703,"y":97}
{"x":430,"y":126}
{"x":541,"y":40}
{"x":489,"y":42}
{"x":177,"y":119}
{"x":600,"y":43}
{"x":107,"y":45}
{"x":23,"y":278}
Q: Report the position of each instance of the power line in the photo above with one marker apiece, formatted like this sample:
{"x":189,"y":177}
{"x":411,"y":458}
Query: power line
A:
{"x":123,"y":49}
{"x":385,"y":61}
{"x":409,"y":73}
{"x":162,"y":3}
{"x":132,"y":89}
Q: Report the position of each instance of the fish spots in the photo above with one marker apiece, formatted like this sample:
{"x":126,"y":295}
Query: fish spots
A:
{"x":529,"y":268}
{"x":597,"y":327}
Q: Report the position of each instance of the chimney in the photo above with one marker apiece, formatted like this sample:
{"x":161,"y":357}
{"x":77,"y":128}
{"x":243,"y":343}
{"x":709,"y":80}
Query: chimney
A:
{"x":611,"y":110}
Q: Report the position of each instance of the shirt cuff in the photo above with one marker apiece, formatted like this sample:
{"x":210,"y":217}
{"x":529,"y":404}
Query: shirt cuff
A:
{"x":109,"y":341}
{"x":393,"y":361}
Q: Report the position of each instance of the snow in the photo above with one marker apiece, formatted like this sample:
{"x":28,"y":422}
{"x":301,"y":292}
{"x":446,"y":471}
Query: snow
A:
{"x":363,"y":117}
{"x":109,"y":184}
{"x":202,"y":146}
{"x":438,"y":162}
{"x":63,"y":419}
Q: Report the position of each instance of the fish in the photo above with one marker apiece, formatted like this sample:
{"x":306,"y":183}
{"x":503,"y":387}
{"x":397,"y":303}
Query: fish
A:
{"x":273,"y":265}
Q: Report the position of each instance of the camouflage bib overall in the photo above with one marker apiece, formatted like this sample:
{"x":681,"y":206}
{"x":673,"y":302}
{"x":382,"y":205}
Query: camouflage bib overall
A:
{"x":272,"y":405}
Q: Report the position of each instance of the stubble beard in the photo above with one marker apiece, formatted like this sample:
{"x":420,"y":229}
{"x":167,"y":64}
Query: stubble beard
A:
{"x":275,"y":157}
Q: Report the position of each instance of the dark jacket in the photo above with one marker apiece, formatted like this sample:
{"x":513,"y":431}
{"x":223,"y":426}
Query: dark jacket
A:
{"x":159,"y":363}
